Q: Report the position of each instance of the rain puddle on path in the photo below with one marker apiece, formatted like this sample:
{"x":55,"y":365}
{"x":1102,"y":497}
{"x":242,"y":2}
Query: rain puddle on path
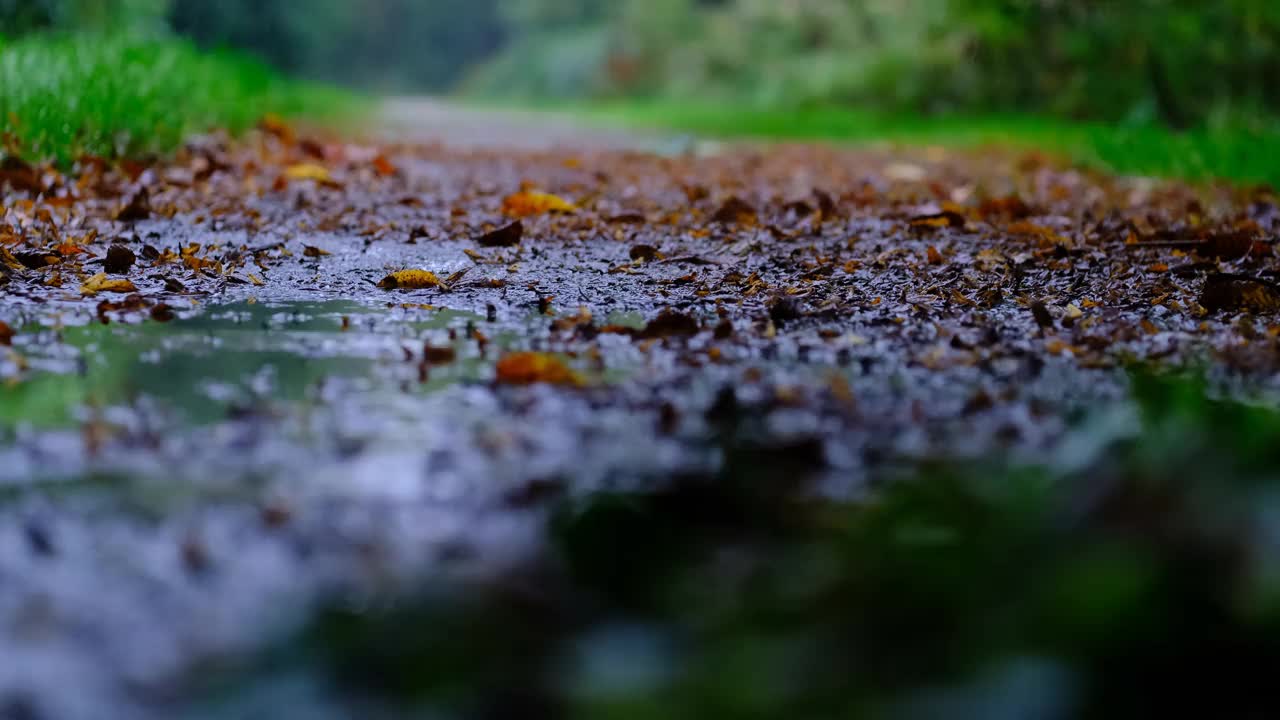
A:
{"x":227,"y":359}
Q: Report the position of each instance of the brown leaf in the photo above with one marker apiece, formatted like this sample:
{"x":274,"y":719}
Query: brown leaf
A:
{"x":438,"y":355}
{"x":275,"y":125}
{"x":20,"y":175}
{"x":138,"y":207}
{"x":312,"y":148}
{"x":312,"y":251}
{"x":1231,"y":245}
{"x":1042,"y":316}
{"x":1011,"y":207}
{"x":503,"y":237}
{"x":1240,"y":293}
{"x":119,"y":260}
{"x":946,"y":218}
{"x":669,"y":324}
{"x":6,"y":334}
{"x":528,"y":368}
{"x":934,"y":257}
{"x":735,"y":211}
{"x":645,"y":253}
{"x":35,"y":260}
{"x":695,"y":193}
{"x":826,"y":205}
{"x":161,"y":312}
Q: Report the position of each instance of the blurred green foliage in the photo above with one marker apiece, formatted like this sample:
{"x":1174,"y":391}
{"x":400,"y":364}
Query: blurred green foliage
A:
{"x":1144,"y":584}
{"x":381,"y":44}
{"x":19,"y":17}
{"x":62,"y":96}
{"x":1180,"y":62}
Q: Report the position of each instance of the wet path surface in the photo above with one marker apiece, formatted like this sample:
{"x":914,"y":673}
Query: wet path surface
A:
{"x":188,"y":465}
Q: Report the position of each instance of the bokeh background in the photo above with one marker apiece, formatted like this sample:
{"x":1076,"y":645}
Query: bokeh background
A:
{"x":1180,"y":63}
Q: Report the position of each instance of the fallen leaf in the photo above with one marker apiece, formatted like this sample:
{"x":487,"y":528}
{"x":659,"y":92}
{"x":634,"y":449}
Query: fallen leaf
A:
{"x":1042,"y":316}
{"x":36,"y":260}
{"x":1239,"y":293}
{"x":312,"y":251}
{"x":19,"y":174}
{"x":934,"y":257}
{"x":384,"y":167}
{"x":410,"y":280}
{"x":645,"y":253}
{"x":627,"y":219}
{"x":275,"y":125}
{"x":503,"y":237}
{"x":119,"y":260}
{"x":531,"y":202}
{"x":162,"y":312}
{"x":735,"y":211}
{"x":6,"y":334}
{"x":946,"y":218}
{"x":1012,"y":207}
{"x":137,"y":208}
{"x":826,"y":204}
{"x":101,"y":283}
{"x":669,"y":324}
{"x":8,"y":260}
{"x":308,"y":171}
{"x":528,"y":368}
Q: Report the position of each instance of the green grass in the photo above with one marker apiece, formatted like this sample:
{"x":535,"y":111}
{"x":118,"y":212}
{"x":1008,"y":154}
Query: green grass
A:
{"x":62,"y":96}
{"x":1246,"y":153}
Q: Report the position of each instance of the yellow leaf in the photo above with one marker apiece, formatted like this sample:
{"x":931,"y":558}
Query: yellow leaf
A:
{"x":101,"y":283}
{"x":528,"y":368}
{"x":410,"y":280}
{"x":8,"y":260}
{"x":532,"y":202}
{"x":308,"y":171}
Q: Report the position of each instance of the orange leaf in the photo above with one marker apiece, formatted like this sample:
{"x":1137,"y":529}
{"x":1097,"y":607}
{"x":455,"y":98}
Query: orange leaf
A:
{"x":528,"y":368}
{"x":275,"y":125}
{"x":383,"y":166}
{"x":410,"y":280}
{"x":532,"y":202}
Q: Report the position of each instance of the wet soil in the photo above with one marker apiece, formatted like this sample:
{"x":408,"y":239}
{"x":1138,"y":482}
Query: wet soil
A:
{"x":256,"y":422}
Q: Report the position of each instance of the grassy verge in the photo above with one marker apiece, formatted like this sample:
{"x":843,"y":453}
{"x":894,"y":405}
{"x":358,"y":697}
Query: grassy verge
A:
{"x":111,"y":96}
{"x":1245,"y":154}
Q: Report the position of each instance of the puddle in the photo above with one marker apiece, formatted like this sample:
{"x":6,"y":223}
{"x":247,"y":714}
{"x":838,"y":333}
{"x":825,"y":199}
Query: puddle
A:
{"x":231,"y":357}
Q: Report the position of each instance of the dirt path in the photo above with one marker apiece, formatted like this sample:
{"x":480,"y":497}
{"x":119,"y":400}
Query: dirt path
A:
{"x":266,"y":416}
{"x":427,"y":121}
